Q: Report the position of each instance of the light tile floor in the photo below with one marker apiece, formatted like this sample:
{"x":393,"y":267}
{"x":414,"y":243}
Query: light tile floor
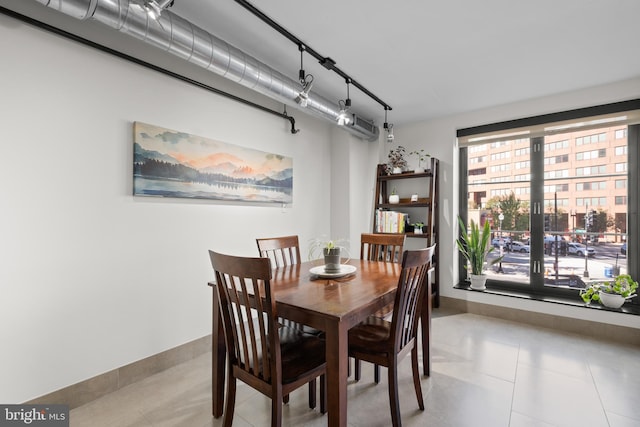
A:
{"x":486,"y":372}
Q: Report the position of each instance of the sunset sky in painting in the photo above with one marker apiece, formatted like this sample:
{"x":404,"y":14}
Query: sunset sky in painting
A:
{"x":203,"y":153}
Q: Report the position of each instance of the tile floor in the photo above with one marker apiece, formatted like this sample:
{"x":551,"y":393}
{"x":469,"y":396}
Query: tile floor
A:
{"x":486,"y":372}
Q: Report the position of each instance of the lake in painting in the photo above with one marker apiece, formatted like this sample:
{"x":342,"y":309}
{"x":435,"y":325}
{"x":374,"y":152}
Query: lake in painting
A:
{"x":168,"y":163}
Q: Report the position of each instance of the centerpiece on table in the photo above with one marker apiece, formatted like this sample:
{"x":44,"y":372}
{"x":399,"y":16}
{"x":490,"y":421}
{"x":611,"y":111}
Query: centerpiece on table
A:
{"x":611,"y":294}
{"x":475,"y":246}
{"x":331,"y":250}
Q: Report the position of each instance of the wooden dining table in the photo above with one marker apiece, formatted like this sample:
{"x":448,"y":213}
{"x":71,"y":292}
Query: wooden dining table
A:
{"x":333,"y":305}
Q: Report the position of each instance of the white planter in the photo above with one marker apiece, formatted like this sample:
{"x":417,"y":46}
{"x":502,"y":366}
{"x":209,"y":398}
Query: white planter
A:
{"x":397,"y":170}
{"x":419,"y":170}
{"x":611,"y":300}
{"x":394,"y":199}
{"x":478,"y":281}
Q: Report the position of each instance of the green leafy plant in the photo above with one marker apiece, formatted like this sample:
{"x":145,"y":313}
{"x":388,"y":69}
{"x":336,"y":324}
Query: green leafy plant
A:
{"x":421,"y":155}
{"x":318,"y":245}
{"x":475,"y":246}
{"x":622,"y":285}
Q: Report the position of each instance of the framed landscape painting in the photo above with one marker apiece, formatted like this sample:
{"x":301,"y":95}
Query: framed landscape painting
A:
{"x":168,"y":163}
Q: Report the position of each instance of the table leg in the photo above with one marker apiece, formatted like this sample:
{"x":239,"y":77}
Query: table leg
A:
{"x":218,"y":358}
{"x":425,"y":321}
{"x":337,"y":361}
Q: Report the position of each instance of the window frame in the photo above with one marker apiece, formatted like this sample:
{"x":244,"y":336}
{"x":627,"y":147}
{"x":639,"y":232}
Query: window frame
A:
{"x":537,"y":189}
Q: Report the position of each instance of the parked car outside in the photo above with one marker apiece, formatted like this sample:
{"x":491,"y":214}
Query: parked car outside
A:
{"x":580,"y":249}
{"x":505,"y":241}
{"x":517,"y":246}
{"x":623,"y":248}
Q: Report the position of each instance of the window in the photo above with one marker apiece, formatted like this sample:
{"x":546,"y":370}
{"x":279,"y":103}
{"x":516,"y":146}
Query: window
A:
{"x":571,"y":189}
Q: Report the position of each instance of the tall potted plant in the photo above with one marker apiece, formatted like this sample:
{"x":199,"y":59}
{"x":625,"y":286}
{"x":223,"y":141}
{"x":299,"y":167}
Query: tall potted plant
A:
{"x":475,"y":246}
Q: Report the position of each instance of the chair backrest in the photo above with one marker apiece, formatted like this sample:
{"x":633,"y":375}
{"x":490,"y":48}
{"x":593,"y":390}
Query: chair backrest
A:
{"x":410,"y":294}
{"x":248,"y":314}
{"x":381,"y":247}
{"x":282,"y":251}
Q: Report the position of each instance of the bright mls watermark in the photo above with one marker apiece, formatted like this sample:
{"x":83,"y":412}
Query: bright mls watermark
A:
{"x":34,"y":415}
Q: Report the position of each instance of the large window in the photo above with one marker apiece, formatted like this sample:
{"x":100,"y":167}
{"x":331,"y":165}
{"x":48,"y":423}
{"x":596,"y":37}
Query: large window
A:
{"x":559,"y":212}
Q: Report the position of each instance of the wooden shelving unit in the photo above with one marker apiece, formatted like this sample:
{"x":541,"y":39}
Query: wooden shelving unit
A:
{"x":425,"y":209}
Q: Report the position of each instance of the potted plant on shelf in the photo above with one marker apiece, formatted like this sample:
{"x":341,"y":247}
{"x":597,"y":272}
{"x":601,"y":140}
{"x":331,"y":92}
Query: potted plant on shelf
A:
{"x":611,"y":294}
{"x":397,"y":162}
{"x":331,"y":250}
{"x":475,"y":246}
{"x":417,"y":228}
{"x":394,"y":198}
{"x":422,"y":156}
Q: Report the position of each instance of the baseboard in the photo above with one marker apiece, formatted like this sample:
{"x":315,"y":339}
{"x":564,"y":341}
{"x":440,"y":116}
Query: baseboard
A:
{"x":93,"y":388}
{"x":602,"y":331}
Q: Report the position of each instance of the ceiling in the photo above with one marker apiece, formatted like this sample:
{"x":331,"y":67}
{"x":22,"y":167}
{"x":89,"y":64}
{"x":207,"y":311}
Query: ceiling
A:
{"x":428,"y":58}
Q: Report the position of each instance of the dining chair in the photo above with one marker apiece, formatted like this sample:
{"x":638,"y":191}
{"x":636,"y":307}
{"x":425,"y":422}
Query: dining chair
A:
{"x":386,"y":343}
{"x":284,"y":251}
{"x":380,"y":247}
{"x":272,"y":358}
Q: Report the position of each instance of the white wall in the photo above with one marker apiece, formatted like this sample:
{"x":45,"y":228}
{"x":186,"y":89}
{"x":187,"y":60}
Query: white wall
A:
{"x":92,"y":278}
{"x":438,"y":138}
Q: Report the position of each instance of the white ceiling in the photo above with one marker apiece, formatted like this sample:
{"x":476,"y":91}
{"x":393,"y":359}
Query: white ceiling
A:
{"x":429,"y":58}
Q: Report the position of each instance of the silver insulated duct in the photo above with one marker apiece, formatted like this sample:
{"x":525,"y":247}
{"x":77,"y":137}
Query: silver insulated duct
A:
{"x":179,"y":37}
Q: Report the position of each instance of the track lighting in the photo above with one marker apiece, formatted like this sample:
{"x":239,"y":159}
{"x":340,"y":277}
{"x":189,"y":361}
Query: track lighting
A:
{"x":303,"y":97}
{"x":306,"y":80}
{"x":154,"y":8}
{"x":388,"y":127}
{"x":343,"y":117}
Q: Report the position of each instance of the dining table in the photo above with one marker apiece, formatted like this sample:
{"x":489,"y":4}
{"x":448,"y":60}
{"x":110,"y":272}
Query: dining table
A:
{"x":332,"y":303}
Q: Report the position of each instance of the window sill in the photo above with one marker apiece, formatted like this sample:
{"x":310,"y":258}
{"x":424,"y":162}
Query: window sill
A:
{"x":627,"y":308}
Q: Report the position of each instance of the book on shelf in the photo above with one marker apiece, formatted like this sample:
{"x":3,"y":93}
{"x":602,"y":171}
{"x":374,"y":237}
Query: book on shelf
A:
{"x":390,"y":221}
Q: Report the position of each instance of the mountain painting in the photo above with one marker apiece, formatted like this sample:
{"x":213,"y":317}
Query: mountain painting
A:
{"x":168,"y":163}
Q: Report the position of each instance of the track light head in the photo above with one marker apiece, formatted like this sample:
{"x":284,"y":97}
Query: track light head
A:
{"x":343,"y":117}
{"x":303,"y":97}
{"x":389,"y":128}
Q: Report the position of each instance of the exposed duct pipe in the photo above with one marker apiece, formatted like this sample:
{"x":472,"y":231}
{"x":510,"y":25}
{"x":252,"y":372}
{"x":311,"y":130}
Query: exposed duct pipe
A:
{"x":179,"y":37}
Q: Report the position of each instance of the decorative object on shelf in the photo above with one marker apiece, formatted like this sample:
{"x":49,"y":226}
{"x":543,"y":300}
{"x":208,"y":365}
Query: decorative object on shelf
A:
{"x":394,"y":198}
{"x":331,"y":250}
{"x":417,"y":227}
{"x":397,"y":162}
{"x":611,"y":294}
{"x":475,"y":246}
{"x":414,"y":198}
{"x":422,"y":156}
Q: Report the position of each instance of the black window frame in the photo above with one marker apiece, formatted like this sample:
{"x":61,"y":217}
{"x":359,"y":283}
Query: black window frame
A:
{"x":536,"y":287}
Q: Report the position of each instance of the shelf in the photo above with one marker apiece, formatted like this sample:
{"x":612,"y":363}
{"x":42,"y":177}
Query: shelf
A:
{"x":405,"y":175}
{"x":423,"y":202}
{"x":423,"y":184}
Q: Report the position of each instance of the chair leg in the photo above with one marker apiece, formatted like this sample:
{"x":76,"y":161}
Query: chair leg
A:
{"x":376,"y":373}
{"x":323,"y":394}
{"x":416,"y":377}
{"x":312,"y":394}
{"x":276,"y":411}
{"x":356,"y":368}
{"x":394,"y":401}
{"x":231,"y":401}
